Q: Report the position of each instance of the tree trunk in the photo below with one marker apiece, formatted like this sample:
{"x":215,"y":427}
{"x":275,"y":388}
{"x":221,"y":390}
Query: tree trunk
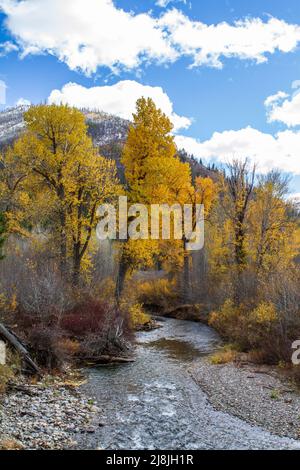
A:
{"x":76,"y":264}
{"x":186,"y":275}
{"x":17,"y":345}
{"x":63,"y":243}
{"x":121,"y":276}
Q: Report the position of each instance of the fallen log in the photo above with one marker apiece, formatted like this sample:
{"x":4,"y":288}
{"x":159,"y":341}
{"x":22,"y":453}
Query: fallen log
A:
{"x":104,"y":360}
{"x":12,"y":387}
{"x":18,"y":346}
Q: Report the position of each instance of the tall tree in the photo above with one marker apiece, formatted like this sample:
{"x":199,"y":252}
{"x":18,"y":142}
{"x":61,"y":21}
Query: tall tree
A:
{"x":149,"y":139}
{"x":154,"y":175}
{"x":238,"y":189}
{"x":272,"y":224}
{"x":57,"y":154}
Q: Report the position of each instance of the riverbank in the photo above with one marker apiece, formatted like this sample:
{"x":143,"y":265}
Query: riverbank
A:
{"x":47,"y":415}
{"x":258,"y":395}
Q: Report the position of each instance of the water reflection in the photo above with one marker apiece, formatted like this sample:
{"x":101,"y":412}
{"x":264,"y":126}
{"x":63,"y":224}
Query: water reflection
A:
{"x":177,"y":349}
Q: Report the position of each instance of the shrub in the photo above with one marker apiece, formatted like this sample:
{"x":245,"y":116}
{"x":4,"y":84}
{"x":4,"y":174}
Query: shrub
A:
{"x":265,"y":332}
{"x":138,"y":319}
{"x":85,"y":318}
{"x":97,"y":327}
{"x":265,"y":314}
{"x":33,"y":289}
{"x":45,"y":344}
{"x":268,"y":334}
{"x":224,"y":356}
{"x":69,"y":347}
{"x":230,"y":322}
{"x":158,"y":294}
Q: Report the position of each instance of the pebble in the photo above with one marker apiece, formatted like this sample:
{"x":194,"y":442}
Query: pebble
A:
{"x":50,"y":419}
{"x":258,"y":395}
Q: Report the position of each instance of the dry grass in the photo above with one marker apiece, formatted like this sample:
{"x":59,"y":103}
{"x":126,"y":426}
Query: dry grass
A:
{"x":10,"y":444}
{"x":224,"y":356}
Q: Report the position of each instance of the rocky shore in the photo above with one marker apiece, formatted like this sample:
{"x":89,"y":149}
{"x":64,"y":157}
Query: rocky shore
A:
{"x":256,"y":394}
{"x":48,"y":415}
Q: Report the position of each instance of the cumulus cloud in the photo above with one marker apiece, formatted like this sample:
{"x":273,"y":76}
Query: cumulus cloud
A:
{"x":251,"y":38}
{"x":284,"y":108}
{"x":87,"y":34}
{"x":119,"y":99}
{"x":281,"y":151}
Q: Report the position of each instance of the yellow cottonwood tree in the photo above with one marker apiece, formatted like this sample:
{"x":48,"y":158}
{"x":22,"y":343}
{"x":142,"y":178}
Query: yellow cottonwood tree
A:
{"x":272,"y":229}
{"x":149,"y":140}
{"x":57,"y":152}
{"x":155,"y":175}
{"x":15,"y":201}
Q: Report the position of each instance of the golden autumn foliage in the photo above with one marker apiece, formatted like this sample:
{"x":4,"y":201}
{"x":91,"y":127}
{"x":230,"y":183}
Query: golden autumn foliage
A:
{"x":273,"y":230}
{"x":63,"y":169}
{"x":52,"y":181}
{"x":138,"y":318}
{"x":155,"y":175}
{"x":206,"y":193}
{"x":264,"y":314}
{"x":159,"y":293}
{"x":16,"y":199}
{"x":149,"y":141}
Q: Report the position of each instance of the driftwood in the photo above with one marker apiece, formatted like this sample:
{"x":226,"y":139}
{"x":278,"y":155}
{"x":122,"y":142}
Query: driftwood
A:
{"x":21,"y":388}
{"x":104,"y":360}
{"x":18,"y":346}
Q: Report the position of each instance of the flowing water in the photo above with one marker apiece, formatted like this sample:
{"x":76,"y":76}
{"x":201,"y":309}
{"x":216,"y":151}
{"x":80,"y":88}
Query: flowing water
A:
{"x":155,"y":404}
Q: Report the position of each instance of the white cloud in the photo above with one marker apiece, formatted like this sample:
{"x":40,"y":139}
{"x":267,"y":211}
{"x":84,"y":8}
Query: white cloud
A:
{"x":284,"y":108}
{"x":23,"y":102}
{"x":7,"y":47}
{"x":281,"y":151}
{"x":273,"y":100}
{"x":251,"y":38}
{"x":87,"y":34}
{"x":119,"y":99}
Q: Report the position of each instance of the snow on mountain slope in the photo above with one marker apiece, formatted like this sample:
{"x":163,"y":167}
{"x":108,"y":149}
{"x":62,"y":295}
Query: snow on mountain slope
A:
{"x":104,"y":128}
{"x":107,"y":131}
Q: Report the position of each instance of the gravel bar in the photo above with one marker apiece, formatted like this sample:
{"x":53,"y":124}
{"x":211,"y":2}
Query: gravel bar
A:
{"x":256,"y":394}
{"x":47,"y":417}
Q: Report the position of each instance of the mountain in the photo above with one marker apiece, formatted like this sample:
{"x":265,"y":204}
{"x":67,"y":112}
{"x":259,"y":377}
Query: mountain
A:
{"x":108,"y":132}
{"x":11,"y":124}
{"x":104,"y":128}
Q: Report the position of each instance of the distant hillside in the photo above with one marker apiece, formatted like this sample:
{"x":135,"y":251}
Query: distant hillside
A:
{"x":11,"y":124}
{"x":104,"y":128}
{"x":108,"y":132}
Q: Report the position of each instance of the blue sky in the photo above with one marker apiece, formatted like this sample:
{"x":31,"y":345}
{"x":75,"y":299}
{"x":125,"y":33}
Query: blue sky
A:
{"x":219,"y":96}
